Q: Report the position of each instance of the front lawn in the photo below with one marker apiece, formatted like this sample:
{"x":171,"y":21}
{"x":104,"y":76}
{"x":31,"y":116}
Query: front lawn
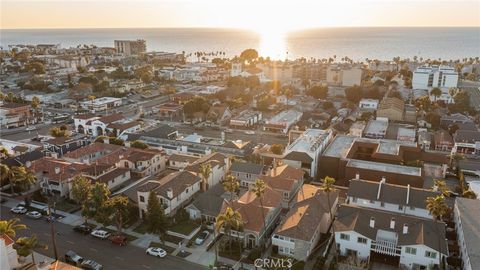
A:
{"x":142,"y":228}
{"x":184,"y":227}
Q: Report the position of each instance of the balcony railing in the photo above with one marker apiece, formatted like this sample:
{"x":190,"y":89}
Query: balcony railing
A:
{"x":385,"y":246}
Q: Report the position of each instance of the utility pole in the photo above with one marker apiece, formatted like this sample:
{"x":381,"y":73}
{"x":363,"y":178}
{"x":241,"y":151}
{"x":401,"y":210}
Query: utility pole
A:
{"x":52,"y":227}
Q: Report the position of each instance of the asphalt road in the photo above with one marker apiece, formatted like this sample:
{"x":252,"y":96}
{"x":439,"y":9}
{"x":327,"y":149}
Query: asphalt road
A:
{"x":110,"y":256}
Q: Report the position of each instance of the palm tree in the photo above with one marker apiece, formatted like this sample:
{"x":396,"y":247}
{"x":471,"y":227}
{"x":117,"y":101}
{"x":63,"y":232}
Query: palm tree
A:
{"x":455,"y":157}
{"x":231,"y":185}
{"x":11,"y":226}
{"x":437,"y":208}
{"x":436,"y":92}
{"x":229,"y":220}
{"x":328,"y":187}
{"x":469,"y":194}
{"x":26,"y":180}
{"x":4,"y":152}
{"x":259,"y":189}
{"x":205,"y":172}
{"x":442,"y":187}
{"x":26,"y":245}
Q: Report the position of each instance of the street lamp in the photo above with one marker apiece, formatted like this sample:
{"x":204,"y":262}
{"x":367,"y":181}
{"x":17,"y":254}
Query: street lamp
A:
{"x":52,"y":227}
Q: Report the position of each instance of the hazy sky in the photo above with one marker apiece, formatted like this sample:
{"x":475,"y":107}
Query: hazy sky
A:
{"x":260,"y":15}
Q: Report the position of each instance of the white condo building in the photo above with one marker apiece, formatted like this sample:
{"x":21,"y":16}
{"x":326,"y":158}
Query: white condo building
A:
{"x":305,"y":151}
{"x":467,"y":221}
{"x":427,"y":77}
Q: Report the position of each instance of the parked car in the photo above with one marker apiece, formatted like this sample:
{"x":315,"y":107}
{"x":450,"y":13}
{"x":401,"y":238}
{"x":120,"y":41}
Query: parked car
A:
{"x":31,"y":128}
{"x":202,"y":237}
{"x":100,"y":234}
{"x":73,"y":258}
{"x":250,"y":132}
{"x":156,"y":251}
{"x":19,"y":210}
{"x":34,"y":214}
{"x":228,"y":130}
{"x":120,"y":240}
{"x":91,"y":265}
{"x":82,"y":229}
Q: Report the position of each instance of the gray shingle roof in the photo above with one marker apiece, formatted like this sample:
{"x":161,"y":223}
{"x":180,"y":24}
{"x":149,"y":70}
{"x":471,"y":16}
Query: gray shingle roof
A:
{"x":247,"y":167}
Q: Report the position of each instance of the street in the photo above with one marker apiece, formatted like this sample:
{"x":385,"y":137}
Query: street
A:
{"x":102,"y":251}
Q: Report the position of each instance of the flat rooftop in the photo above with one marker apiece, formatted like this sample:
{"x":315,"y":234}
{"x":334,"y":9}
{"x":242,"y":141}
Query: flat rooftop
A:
{"x":103,"y":100}
{"x":341,"y":144}
{"x":308,"y":139}
{"x":245,"y":115}
{"x":287,"y":116}
{"x":384,"y":167}
{"x":376,"y":127}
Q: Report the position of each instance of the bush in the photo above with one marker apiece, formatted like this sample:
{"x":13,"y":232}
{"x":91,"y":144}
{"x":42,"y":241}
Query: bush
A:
{"x":320,"y":263}
{"x":254,"y":254}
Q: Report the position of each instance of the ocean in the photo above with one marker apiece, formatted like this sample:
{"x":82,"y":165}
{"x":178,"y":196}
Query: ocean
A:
{"x":356,"y":43}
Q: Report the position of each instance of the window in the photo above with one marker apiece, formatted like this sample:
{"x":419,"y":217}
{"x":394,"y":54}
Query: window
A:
{"x":345,"y":237}
{"x":362,"y":240}
{"x":400,"y":207}
{"x":142,"y":199}
{"x":430,"y":254}
{"x":411,"y":250}
{"x":382,"y":204}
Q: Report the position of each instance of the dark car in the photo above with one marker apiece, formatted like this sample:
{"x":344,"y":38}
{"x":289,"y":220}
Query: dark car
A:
{"x":91,"y":265}
{"x":85,"y":229}
{"x":118,"y":240}
{"x":73,"y":258}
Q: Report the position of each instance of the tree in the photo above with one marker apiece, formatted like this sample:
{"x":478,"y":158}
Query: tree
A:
{"x":228,"y":221}
{"x":139,"y":144}
{"x":423,"y":103}
{"x":434,"y":119}
{"x":155,"y":216}
{"x":26,"y":245}
{"x":25,"y":180}
{"x":258,"y":189}
{"x":354,"y":94}
{"x":470,"y":194}
{"x":277,"y":149}
{"x":436,"y":92}
{"x":231,"y":185}
{"x":442,"y":187}
{"x":118,"y":211}
{"x":6,"y":174}
{"x":327,"y":105}
{"x":58,"y":132}
{"x":205,"y":172}
{"x":328,"y":187}
{"x":437,"y":206}
{"x":320,"y":92}
{"x":80,"y":192}
{"x":97,"y":198}
{"x":11,"y":226}
{"x":35,"y":102}
{"x":249,"y":55}
{"x":116,"y":141}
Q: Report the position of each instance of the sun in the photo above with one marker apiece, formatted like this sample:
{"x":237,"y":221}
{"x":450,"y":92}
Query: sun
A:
{"x":273,"y":43}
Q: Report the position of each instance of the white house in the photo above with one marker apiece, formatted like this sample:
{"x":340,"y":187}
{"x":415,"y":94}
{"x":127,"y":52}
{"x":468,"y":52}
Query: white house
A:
{"x":389,"y":197}
{"x":427,"y":77}
{"x":101,"y":104}
{"x":173,"y":191}
{"x":8,"y":255}
{"x":305,"y":151}
{"x":219,"y":164}
{"x":369,"y":104}
{"x":309,"y":218}
{"x":415,"y":242}
{"x":467,"y":221}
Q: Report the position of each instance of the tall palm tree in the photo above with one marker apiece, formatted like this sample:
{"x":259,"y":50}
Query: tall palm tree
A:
{"x":231,"y":185}
{"x":259,"y":189}
{"x":229,"y":220}
{"x":442,"y":187}
{"x":437,"y":208}
{"x":26,"y":245}
{"x":26,"y":180}
{"x":436,"y":92}
{"x":11,"y":226}
{"x":19,"y":173}
{"x":328,"y":187}
{"x":455,"y":157}
{"x":469,"y":194}
{"x":205,"y":172}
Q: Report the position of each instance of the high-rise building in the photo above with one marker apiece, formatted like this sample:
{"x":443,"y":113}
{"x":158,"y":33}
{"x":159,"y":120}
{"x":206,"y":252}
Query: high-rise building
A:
{"x":427,"y":77}
{"x":131,"y":47}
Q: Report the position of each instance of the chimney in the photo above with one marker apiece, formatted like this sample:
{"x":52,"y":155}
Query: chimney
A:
{"x":392,"y":223}
{"x":170,"y":193}
{"x":408,"y":194}
{"x":379,"y":191}
{"x":372,"y":222}
{"x":357,"y":176}
{"x":405,"y":228}
{"x":57,"y":170}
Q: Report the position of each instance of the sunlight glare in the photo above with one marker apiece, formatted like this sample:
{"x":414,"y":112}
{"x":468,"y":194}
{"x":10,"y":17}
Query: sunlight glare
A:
{"x":273,"y":44}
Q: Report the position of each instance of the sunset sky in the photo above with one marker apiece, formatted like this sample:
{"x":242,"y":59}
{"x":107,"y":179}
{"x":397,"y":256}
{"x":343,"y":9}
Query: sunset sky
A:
{"x":259,"y":15}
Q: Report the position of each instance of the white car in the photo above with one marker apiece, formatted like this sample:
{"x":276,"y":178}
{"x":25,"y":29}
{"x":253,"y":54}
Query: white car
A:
{"x":19,"y":210}
{"x":31,"y":128}
{"x":228,"y":130}
{"x":34,"y":214}
{"x":100,"y":234}
{"x":156,"y":251}
{"x":250,"y":132}
{"x":202,"y":237}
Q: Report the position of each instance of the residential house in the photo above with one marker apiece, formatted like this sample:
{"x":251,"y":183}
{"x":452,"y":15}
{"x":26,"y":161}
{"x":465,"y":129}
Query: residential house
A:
{"x":57,"y":147}
{"x":171,"y":111}
{"x":285,"y":179}
{"x":101,"y":104}
{"x":219,"y":164}
{"x":442,"y":140}
{"x":246,"y":119}
{"x":96,"y":125}
{"x":466,"y":217}
{"x":8,"y":255}
{"x":412,"y":242}
{"x":283,"y":121}
{"x":303,"y":226}
{"x":219,"y":115}
{"x":246,"y":172}
{"x":467,"y":142}
{"x":173,"y":191}
{"x":391,"y":108}
{"x":181,"y":161}
{"x":207,"y":205}
{"x":14,"y":115}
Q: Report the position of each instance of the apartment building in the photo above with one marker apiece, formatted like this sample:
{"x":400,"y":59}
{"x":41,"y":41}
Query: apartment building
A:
{"x":130,"y":47}
{"x":467,"y":221}
{"x":427,"y":77}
